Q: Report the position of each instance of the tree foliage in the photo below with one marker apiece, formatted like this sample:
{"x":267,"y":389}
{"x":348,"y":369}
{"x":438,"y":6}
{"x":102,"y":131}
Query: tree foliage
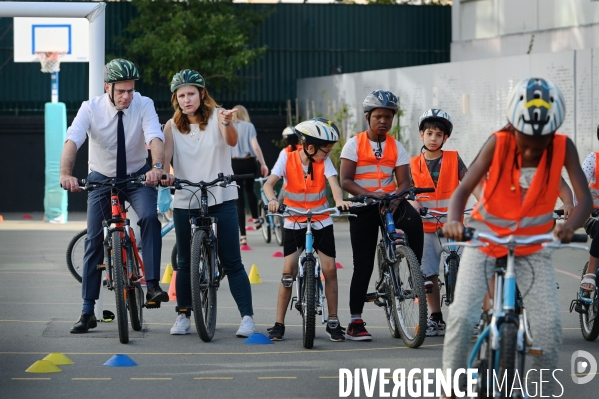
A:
{"x":213,"y":37}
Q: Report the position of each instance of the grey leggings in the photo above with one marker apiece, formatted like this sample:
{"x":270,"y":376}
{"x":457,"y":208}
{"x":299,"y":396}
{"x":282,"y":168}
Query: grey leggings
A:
{"x":542,"y":309}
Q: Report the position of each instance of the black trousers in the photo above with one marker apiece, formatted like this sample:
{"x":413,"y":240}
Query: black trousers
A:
{"x":246,"y":187}
{"x":364,"y":235}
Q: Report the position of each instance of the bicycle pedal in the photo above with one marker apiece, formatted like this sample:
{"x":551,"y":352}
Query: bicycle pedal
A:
{"x":535,"y":350}
{"x":379,"y":303}
{"x":371,"y":296}
{"x":152,"y":305}
{"x":319,"y":312}
{"x":101,"y":266}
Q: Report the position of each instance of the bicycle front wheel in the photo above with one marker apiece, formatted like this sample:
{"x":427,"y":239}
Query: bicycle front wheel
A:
{"x":385,"y":287}
{"x":450,"y":278}
{"x":589,"y":323}
{"x":507,"y":356}
{"x":265,"y":223}
{"x":203,"y":291}
{"x":120,"y":292}
{"x":308,"y":300}
{"x":409,"y":302}
{"x":135,"y":295}
{"x":75,"y":253}
{"x":278,"y":222}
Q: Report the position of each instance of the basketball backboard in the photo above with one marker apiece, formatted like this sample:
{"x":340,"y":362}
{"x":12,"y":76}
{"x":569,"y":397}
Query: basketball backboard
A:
{"x":65,"y":35}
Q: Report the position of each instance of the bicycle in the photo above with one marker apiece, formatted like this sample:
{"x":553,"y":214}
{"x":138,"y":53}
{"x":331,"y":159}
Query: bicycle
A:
{"x":586,"y":304}
{"x":272,"y":223}
{"x":122,"y":262}
{"x":400,"y":287}
{"x":309,"y":298}
{"x":451,"y":258}
{"x":500,"y":348}
{"x":205,"y":268}
{"x":76,"y":251}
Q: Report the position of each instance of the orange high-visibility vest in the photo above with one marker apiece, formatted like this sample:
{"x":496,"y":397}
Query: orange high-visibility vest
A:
{"x":375,"y":174}
{"x":595,"y":187}
{"x":446,"y":185}
{"x":303,"y":192}
{"x":501,"y":209}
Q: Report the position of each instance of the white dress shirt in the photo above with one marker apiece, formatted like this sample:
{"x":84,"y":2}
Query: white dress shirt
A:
{"x":98,"y":119}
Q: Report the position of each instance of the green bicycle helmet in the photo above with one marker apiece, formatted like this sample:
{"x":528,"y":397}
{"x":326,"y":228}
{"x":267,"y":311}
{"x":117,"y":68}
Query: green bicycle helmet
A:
{"x":120,"y":70}
{"x":187,"y":77}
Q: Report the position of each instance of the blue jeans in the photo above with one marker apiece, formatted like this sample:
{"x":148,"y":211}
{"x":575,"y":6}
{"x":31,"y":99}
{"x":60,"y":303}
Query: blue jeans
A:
{"x":143,"y":200}
{"x":229,"y":255}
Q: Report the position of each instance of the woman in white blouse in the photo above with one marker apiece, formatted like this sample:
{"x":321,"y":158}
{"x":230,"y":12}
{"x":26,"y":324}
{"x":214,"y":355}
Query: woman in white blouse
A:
{"x":199,"y":138}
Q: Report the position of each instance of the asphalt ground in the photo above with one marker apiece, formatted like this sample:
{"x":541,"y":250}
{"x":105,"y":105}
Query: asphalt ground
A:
{"x":40,"y":301}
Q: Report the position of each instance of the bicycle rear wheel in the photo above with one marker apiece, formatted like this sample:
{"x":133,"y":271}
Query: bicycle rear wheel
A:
{"x":589,"y":320}
{"x":308,"y":301}
{"x":451,"y":278}
{"x":203,"y":291}
{"x":266,"y":222}
{"x":75,"y":253}
{"x":409,"y":303}
{"x":135,"y":295}
{"x":120,"y":292}
{"x":278,"y":222}
{"x":386,"y":291}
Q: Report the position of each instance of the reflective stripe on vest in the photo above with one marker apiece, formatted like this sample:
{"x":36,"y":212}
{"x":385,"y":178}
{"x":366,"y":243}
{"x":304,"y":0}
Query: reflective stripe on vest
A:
{"x":595,"y":186}
{"x":371,"y":173}
{"x":446,"y":185}
{"x":303,"y":192}
{"x":501,"y":209}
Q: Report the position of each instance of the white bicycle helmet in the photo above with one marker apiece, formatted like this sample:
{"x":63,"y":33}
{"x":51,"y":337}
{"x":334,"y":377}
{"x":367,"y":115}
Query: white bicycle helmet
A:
{"x":317,"y":131}
{"x":436,"y":115}
{"x":536,"y":107}
{"x":380,"y":99}
{"x":288,"y":131}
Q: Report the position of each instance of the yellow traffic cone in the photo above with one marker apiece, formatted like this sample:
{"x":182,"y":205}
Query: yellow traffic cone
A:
{"x":168,"y":274}
{"x":43,"y":367}
{"x":254,"y":276}
{"x":58,"y":359}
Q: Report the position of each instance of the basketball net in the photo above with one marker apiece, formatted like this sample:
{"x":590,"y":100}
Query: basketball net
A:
{"x":50,"y":60}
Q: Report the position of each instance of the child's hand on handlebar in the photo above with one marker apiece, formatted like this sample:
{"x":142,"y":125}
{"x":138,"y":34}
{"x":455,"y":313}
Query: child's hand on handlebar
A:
{"x":453,"y":230}
{"x":567,"y":208}
{"x":345,"y":205}
{"x":563,"y":233}
{"x":273,"y":206}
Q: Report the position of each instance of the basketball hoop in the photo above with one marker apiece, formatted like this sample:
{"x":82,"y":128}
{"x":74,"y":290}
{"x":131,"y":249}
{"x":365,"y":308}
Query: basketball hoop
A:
{"x":50,"y":60}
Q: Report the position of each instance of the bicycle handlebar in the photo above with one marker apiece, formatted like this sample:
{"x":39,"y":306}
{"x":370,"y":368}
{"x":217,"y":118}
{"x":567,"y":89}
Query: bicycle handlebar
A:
{"x":224,"y":180}
{"x":431,"y":213}
{"x":285,"y":209}
{"x":560,"y":212}
{"x":411,"y":192}
{"x":547,"y":240}
{"x":85,"y":185}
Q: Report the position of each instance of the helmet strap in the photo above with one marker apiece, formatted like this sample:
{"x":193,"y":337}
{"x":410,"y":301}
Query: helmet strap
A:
{"x":111,"y":95}
{"x":310,"y":160}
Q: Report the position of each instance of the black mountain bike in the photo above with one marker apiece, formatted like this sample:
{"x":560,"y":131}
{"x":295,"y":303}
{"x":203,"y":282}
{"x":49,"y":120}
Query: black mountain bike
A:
{"x":206,"y":271}
{"x":400,"y":287}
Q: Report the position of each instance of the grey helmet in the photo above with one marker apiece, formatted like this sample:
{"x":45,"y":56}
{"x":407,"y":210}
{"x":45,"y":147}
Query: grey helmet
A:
{"x":436,"y":115}
{"x":380,"y":99}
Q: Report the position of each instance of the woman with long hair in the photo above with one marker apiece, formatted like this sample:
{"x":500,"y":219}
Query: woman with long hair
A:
{"x":244,"y":156}
{"x":199,"y":139}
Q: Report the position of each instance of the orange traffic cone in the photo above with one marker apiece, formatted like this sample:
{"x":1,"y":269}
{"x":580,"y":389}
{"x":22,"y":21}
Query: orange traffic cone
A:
{"x":172,"y":289}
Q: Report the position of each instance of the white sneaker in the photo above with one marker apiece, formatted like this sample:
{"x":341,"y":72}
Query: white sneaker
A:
{"x":246,"y":328}
{"x":182,"y":326}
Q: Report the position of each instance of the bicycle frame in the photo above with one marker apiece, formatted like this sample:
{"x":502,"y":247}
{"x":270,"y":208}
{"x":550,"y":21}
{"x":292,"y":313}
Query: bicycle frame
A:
{"x":269,"y":218}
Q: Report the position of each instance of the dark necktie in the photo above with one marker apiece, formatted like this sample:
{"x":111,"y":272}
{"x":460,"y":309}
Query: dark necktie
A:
{"x":121,"y":156}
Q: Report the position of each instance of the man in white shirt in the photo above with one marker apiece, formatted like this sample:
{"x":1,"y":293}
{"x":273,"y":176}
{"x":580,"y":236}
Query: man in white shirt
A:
{"x":119,"y":124}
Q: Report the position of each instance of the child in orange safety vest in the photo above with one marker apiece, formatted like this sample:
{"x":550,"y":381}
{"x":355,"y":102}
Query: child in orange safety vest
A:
{"x":305,"y":173}
{"x":520,"y":167}
{"x":442,"y":170}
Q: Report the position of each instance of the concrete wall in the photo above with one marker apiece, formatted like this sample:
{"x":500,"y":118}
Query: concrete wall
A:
{"x":494,"y":28}
{"x":473,"y":92}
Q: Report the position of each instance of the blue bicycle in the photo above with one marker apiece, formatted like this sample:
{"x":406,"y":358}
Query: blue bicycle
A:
{"x":500,"y":348}
{"x":272,"y":223}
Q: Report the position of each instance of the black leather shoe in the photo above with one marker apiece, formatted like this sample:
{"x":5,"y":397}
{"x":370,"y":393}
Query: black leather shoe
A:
{"x":156,"y":294}
{"x":84,"y":323}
